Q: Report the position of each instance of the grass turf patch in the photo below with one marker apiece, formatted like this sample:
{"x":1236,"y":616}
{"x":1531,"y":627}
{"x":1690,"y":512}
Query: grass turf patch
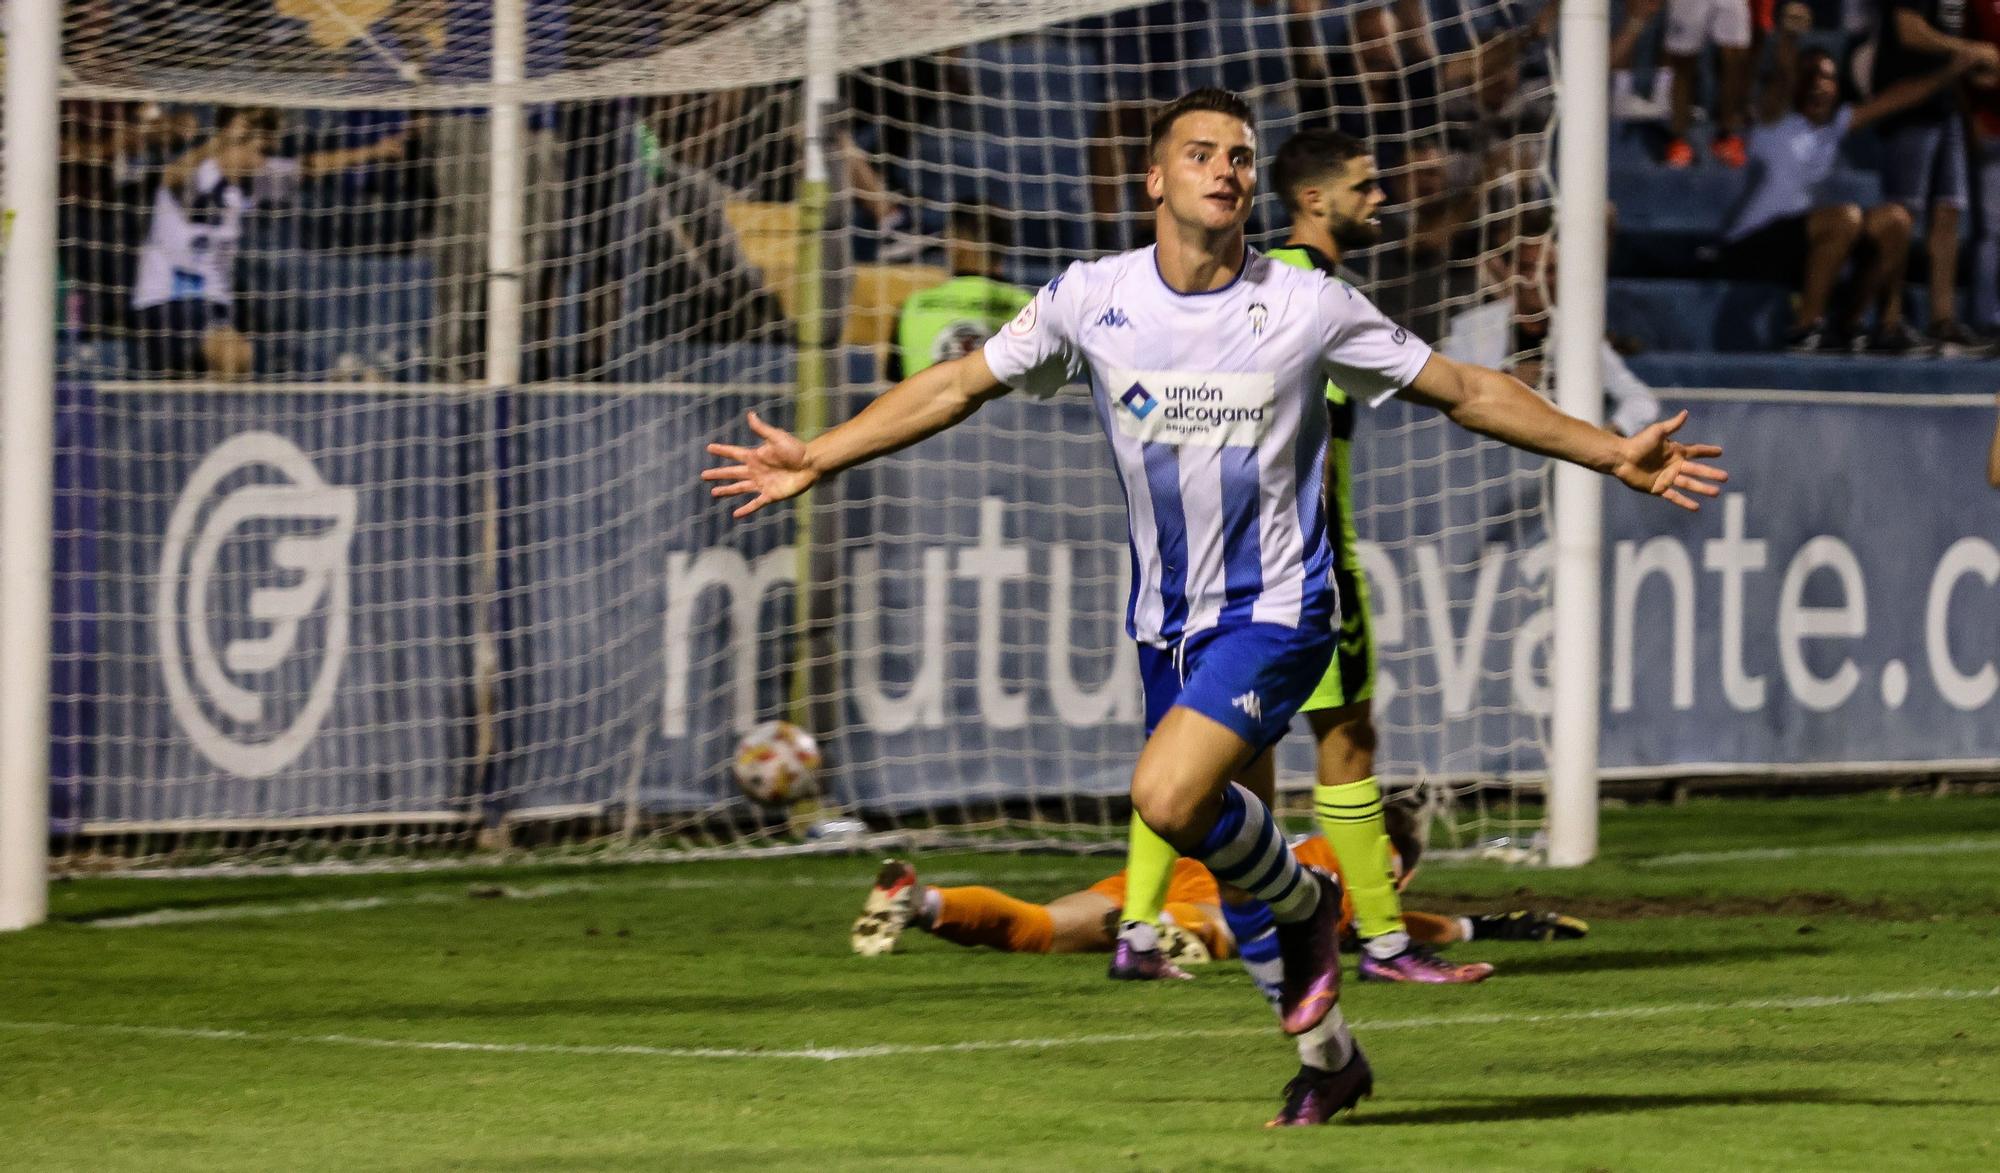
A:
{"x":1824,"y":1011}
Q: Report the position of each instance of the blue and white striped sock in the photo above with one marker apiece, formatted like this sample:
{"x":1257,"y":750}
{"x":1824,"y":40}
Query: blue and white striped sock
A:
{"x":1245,"y":849}
{"x":1327,"y":1046}
{"x":1256,"y":936}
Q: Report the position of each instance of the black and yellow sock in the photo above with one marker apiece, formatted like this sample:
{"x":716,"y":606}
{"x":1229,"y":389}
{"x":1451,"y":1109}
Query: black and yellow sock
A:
{"x":1350,"y":816}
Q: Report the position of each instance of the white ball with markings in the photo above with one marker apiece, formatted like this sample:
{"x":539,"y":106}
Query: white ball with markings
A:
{"x":777,"y":763}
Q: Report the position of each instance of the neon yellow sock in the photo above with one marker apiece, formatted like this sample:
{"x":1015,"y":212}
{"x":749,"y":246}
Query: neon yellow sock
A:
{"x":1149,"y":866}
{"x":1350,"y":816}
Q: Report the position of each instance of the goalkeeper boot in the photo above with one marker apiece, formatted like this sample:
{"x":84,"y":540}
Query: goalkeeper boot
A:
{"x":1316,"y":1097}
{"x":887,"y":911}
{"x":1311,"y":952}
{"x":1522,"y":925}
{"x":1139,"y":957}
{"x":1418,"y":964}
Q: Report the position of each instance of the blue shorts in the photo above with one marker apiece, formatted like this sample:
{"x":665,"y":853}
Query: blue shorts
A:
{"x":1251,"y":677}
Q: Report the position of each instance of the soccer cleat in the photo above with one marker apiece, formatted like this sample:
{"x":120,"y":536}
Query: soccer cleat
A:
{"x":1523,"y":925}
{"x":1680,"y":154}
{"x":1316,"y":1097}
{"x":1729,"y":150}
{"x":1129,"y":963}
{"x":887,"y":911}
{"x":1311,"y":952}
{"x":1418,"y":964}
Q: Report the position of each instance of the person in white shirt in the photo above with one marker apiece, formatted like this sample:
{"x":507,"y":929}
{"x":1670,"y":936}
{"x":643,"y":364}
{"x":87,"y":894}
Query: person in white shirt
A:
{"x":184,"y":293}
{"x":1784,"y":230}
{"x":1207,"y":364}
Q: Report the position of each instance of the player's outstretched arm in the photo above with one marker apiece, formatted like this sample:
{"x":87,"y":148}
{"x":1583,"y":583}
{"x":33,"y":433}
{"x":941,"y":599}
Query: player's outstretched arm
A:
{"x":783,"y":466}
{"x":1496,"y":404}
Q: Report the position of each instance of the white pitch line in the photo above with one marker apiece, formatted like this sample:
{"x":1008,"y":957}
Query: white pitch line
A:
{"x":1834,"y":851}
{"x":893,"y":1050}
{"x":289,"y":908}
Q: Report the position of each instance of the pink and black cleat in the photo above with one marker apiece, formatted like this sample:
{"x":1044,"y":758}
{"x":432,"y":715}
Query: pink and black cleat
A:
{"x":1418,"y":964}
{"x":1129,"y":963}
{"x":1311,"y":952}
{"x":1316,"y":1097}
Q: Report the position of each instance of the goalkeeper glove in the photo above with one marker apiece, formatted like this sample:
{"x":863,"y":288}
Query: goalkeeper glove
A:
{"x":1522,"y":925}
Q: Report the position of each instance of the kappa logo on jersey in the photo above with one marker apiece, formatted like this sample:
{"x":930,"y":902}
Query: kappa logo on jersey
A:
{"x":1251,"y":704}
{"x":232,"y":699}
{"x":1113,"y":318}
{"x":1209,"y":409}
{"x":1139,"y":401}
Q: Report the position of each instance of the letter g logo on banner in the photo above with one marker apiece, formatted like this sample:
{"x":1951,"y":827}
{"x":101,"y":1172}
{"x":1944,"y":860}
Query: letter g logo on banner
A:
{"x":310,"y":567}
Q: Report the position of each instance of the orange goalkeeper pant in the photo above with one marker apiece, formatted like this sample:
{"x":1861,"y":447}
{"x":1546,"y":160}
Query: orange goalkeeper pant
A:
{"x":986,"y":916}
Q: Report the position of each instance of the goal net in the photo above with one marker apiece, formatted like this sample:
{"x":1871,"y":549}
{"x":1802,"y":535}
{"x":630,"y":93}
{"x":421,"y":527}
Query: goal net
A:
{"x":393,"y":331}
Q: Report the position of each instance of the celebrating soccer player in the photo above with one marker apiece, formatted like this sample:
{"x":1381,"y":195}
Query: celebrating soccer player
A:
{"x":1208,"y":364}
{"x":1328,"y":184}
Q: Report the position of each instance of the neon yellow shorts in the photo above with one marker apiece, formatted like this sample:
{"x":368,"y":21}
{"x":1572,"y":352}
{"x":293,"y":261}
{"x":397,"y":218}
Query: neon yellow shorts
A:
{"x":1350,"y":678}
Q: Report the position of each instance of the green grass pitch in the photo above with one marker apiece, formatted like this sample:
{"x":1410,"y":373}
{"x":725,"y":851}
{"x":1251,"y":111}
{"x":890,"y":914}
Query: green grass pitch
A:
{"x":1815,"y":986}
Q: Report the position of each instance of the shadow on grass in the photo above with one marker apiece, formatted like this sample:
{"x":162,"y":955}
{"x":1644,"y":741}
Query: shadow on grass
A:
{"x":1513,"y":1109}
{"x":1565,"y":962}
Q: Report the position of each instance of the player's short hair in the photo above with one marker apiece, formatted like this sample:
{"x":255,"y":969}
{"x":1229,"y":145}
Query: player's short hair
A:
{"x":1206,"y":99}
{"x":982,"y":222}
{"x":1312,"y":155}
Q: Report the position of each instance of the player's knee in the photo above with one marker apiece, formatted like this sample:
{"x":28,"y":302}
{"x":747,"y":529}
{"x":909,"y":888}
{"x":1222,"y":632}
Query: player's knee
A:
{"x":1169,"y":806}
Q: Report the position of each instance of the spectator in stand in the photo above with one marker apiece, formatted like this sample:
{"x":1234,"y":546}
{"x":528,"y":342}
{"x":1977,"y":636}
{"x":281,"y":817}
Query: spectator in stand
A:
{"x":1785,"y":230}
{"x":1983,"y":91}
{"x":184,"y":295}
{"x":1692,"y":26}
{"x":1516,"y":333}
{"x":1925,"y":145}
{"x":456,"y":142}
{"x":956,"y":318}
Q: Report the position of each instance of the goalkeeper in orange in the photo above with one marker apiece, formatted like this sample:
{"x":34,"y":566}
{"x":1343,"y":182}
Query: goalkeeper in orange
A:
{"x":1192,"y":929}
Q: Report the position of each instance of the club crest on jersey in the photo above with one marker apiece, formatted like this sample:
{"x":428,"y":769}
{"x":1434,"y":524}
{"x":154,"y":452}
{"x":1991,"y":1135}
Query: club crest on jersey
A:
{"x":1259,"y":315}
{"x":1112,"y":317}
{"x":1139,"y":401}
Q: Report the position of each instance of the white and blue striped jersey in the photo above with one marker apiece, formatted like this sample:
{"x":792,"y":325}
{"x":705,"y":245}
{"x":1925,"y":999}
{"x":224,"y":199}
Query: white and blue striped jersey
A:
{"x":1215,"y":407}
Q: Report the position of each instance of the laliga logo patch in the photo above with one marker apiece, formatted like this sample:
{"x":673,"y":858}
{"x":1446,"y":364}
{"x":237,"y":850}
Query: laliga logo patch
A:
{"x":1023,"y":321}
{"x":304,"y":575}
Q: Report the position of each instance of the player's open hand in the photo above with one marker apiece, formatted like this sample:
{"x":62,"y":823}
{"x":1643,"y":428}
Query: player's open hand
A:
{"x":1654,"y":462}
{"x":775,"y":470}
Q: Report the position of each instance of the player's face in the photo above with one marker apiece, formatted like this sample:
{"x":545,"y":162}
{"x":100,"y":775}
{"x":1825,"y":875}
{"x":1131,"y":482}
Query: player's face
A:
{"x":1206,"y":172}
{"x":1354,"y":198}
